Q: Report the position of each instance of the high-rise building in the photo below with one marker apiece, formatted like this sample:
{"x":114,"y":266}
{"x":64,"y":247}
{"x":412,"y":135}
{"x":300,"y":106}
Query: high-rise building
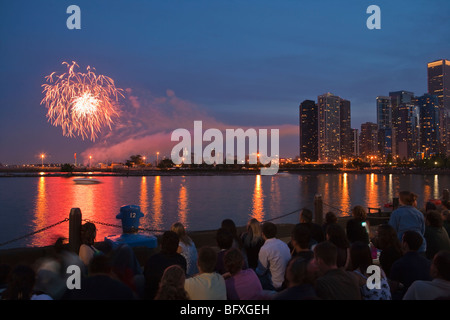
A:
{"x":355,"y":143}
{"x":308,"y":131}
{"x":345,"y":130}
{"x":439,"y":81}
{"x":429,"y":124}
{"x":329,"y":123}
{"x":384,"y":121}
{"x":368,"y":140}
{"x":439,"y":85}
{"x":405,"y":124}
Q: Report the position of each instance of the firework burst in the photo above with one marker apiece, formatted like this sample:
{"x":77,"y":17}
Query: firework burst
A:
{"x":82,"y":103}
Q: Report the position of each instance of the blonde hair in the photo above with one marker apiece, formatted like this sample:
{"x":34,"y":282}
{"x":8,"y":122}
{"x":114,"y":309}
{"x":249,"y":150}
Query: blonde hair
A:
{"x":179,"y":229}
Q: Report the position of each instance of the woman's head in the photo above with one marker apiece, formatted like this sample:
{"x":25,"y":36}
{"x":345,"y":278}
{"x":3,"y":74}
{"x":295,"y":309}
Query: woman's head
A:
{"x":88,"y":233}
{"x":387,"y":237}
{"x":360,"y":256}
{"x":254,"y":227}
{"x":233,"y":260}
{"x":359,"y":213}
{"x":408,"y":198}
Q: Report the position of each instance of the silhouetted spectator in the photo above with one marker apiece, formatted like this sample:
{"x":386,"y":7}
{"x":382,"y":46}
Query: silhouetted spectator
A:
{"x":171,"y":286}
{"x":20,"y":283}
{"x":306,"y":219}
{"x":273,"y":258}
{"x":157,"y":263}
{"x":224,"y":239}
{"x":391,"y":248}
{"x":336,"y":235}
{"x":298,"y":286}
{"x":252,"y":241}
{"x":435,"y":234}
{"x":208,"y":284}
{"x":300,"y":240}
{"x":439,"y":287}
{"x":100,"y":284}
{"x":333,"y":283}
{"x":407,"y":217}
{"x":230,"y":226}
{"x":361,"y":259}
{"x":358,"y":226}
{"x":186,"y":248}
{"x":411,"y":266}
{"x":330,"y":218}
{"x":241,"y":284}
{"x":87,"y":249}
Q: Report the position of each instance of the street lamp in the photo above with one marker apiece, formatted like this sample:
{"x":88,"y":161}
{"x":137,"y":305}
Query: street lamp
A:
{"x":90,"y":158}
{"x":42,"y":159}
{"x":157,"y":158}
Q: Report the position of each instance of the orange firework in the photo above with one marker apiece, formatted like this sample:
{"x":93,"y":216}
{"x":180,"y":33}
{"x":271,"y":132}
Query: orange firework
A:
{"x":81,"y":103}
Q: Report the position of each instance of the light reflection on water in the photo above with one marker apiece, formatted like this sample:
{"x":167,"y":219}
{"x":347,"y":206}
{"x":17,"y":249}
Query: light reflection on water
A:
{"x":199,"y":202}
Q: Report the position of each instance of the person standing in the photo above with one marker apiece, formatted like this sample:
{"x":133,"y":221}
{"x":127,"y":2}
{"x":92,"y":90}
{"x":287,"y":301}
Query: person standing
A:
{"x":407,"y":217}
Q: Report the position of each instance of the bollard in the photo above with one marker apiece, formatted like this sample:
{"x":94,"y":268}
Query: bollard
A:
{"x":75,"y":229}
{"x":318,"y":209}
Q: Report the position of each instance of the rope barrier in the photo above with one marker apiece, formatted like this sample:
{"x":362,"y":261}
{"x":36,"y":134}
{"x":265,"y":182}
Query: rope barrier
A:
{"x":284,"y":215}
{"x":34,"y":232}
{"x":119,"y":226}
{"x":336,"y":208}
{"x":116,"y":226}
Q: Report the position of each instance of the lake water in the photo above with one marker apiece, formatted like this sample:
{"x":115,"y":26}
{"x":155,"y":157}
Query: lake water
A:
{"x":199,"y":202}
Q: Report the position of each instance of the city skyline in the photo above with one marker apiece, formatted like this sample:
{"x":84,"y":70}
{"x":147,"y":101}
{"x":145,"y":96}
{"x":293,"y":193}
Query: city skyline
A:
{"x":408,"y":126}
{"x":229,"y":64}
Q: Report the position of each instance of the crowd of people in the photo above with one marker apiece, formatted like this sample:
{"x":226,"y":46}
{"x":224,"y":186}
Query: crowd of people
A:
{"x":333,"y":261}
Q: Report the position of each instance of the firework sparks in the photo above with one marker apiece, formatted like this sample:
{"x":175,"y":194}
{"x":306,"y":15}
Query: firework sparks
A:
{"x":81,"y":103}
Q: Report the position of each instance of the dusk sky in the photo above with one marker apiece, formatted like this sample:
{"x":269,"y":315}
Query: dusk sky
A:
{"x":229,"y":63}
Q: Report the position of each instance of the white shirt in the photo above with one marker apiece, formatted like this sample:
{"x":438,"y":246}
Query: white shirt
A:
{"x":274,"y":256}
{"x":428,"y":290}
{"x":206,"y":286}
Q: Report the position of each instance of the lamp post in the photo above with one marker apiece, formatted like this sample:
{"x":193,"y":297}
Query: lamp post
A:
{"x":157,"y":158}
{"x":90,"y":158}
{"x":42,"y":159}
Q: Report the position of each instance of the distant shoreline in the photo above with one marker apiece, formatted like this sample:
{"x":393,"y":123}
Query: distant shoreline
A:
{"x":56,"y":172}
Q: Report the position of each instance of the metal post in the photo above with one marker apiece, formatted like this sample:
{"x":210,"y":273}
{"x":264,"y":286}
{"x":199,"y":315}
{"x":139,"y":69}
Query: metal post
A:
{"x":75,"y":229}
{"x":318,"y":209}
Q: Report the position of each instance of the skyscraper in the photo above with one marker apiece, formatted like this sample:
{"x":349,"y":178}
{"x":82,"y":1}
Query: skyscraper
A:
{"x":405,"y":123}
{"x":345,"y":129}
{"x":329,"y":127}
{"x":429,"y":124}
{"x":439,"y":81}
{"x":384,"y":122}
{"x":308,"y":131}
{"x":439,"y":85}
{"x":355,"y":143}
{"x":368,"y":140}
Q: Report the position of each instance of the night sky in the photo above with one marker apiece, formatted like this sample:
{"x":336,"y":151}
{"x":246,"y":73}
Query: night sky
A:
{"x":229,"y":63}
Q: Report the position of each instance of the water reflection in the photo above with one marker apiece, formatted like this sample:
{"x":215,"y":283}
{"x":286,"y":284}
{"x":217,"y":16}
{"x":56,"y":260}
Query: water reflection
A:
{"x":165,"y":199}
{"x":372,"y":199}
{"x":183,"y":203}
{"x":345,"y":193}
{"x":157,"y":203}
{"x":258,"y":200}
{"x":436,"y":187}
{"x":41,"y":204}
